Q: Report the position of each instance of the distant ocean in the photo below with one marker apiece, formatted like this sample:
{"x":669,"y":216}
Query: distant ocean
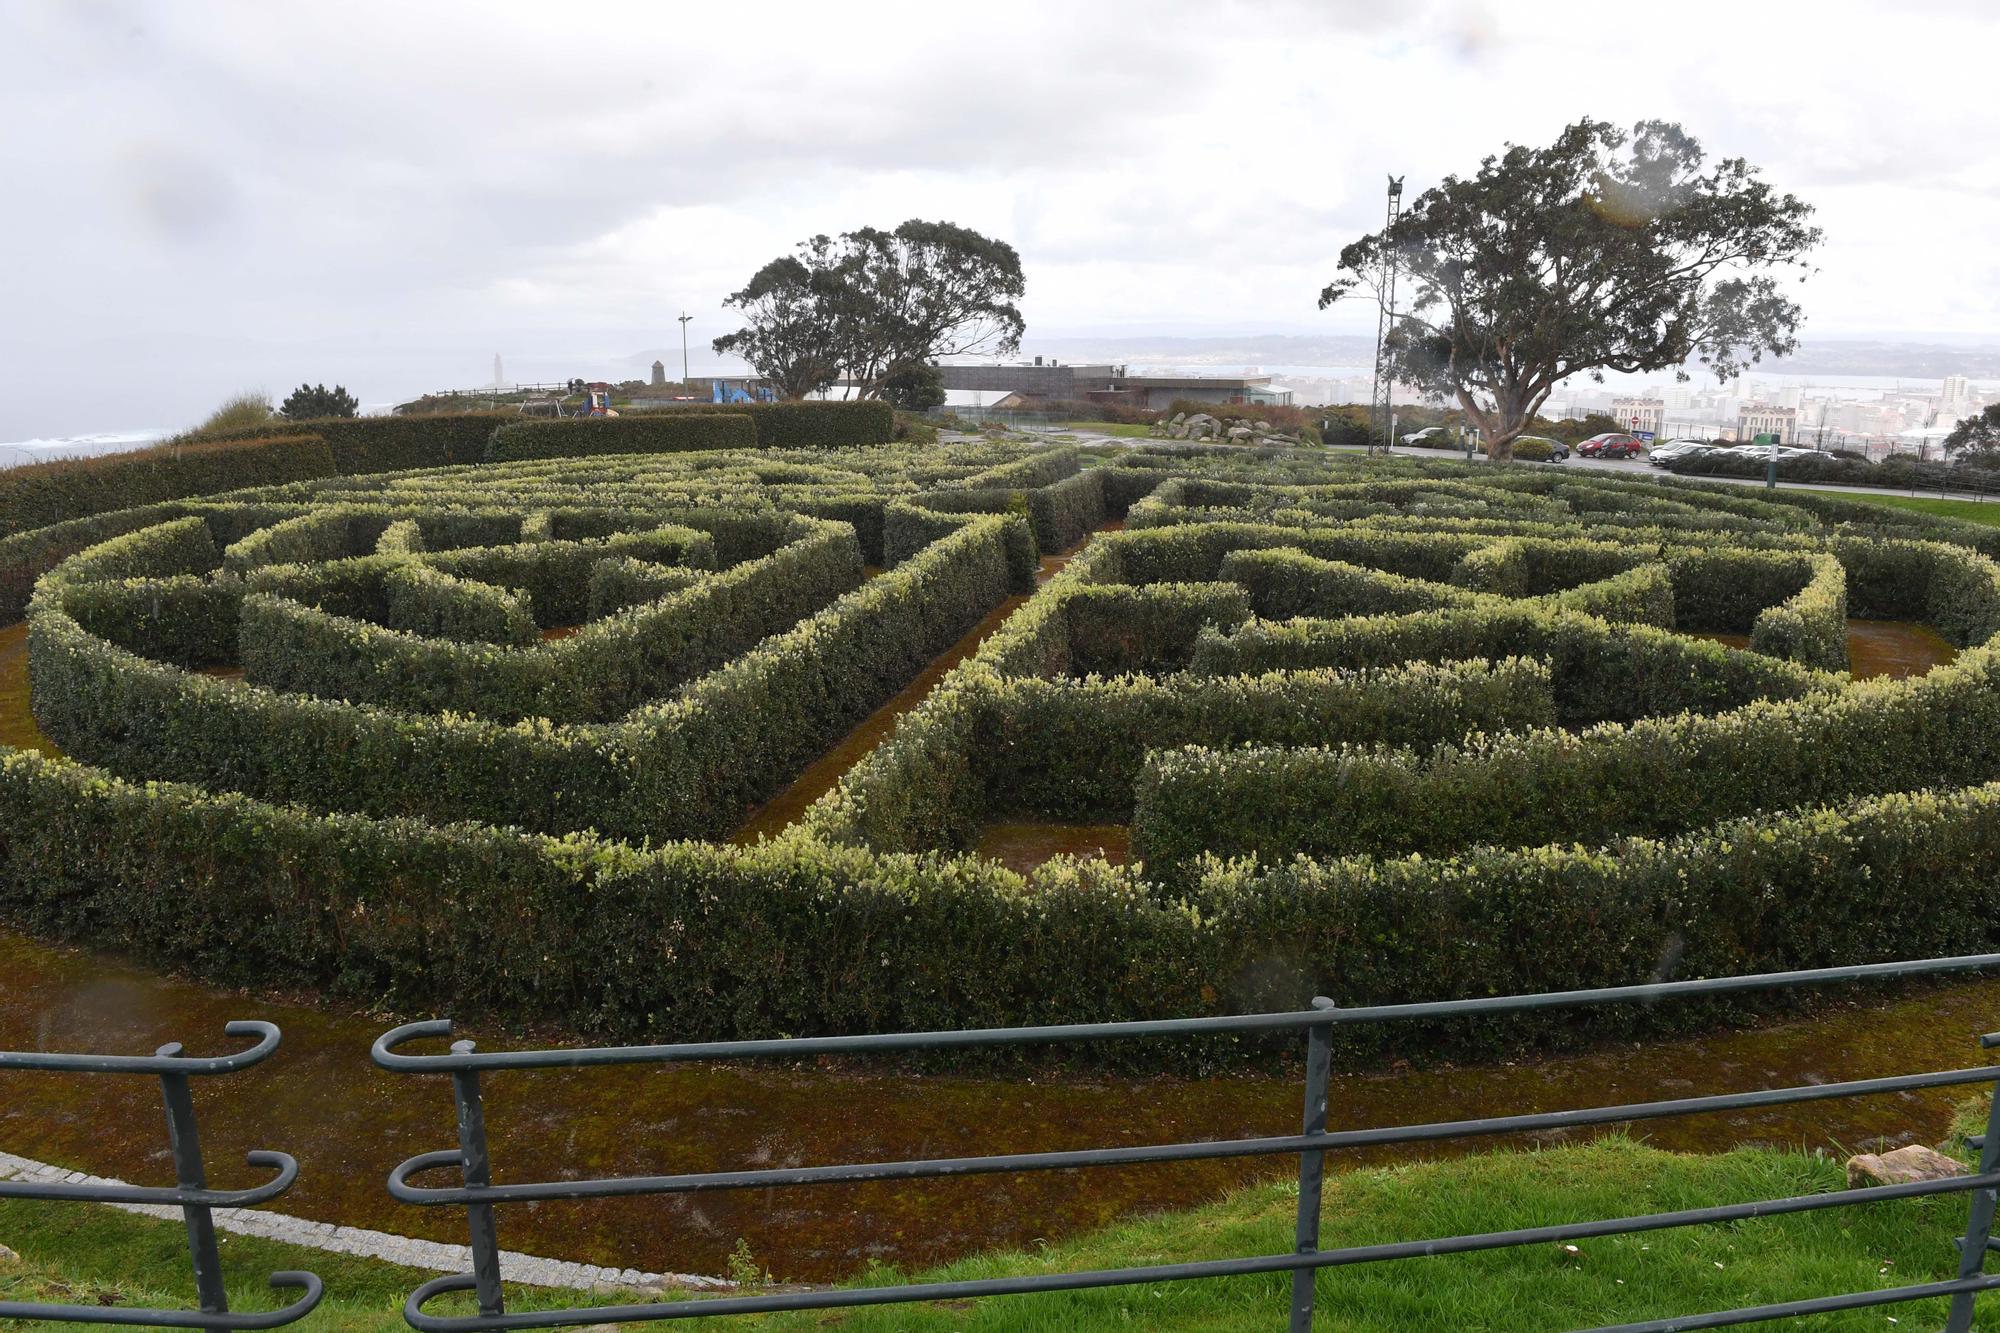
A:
{"x":17,"y":452}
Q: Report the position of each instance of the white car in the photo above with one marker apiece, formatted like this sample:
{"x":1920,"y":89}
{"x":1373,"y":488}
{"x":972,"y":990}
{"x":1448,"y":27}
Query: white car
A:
{"x":1672,"y":449}
{"x":1422,"y":438}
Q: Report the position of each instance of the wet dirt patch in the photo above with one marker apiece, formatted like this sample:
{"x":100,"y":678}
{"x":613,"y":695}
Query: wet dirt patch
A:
{"x":1023,"y":847}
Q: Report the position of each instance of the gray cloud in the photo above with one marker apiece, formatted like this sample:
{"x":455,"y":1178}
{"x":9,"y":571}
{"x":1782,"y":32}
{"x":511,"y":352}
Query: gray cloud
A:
{"x":208,"y":196}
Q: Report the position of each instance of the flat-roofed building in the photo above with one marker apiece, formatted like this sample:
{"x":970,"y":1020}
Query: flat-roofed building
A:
{"x":1754,"y":419}
{"x":1640,"y":414}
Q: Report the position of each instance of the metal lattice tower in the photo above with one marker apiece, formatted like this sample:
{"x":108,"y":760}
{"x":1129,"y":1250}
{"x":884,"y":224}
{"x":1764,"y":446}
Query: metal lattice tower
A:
{"x":1381,"y":408}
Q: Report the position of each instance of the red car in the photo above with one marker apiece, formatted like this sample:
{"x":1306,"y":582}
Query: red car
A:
{"x":1611,"y":444}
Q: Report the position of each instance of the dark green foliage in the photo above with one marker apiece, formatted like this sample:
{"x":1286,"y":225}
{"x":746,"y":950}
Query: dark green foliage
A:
{"x":617,"y":582}
{"x":26,"y":556}
{"x":434,"y":604}
{"x":1284,"y":583}
{"x":1605,"y":249}
{"x":837,"y":424}
{"x":1602,"y":672}
{"x":1652,"y":777}
{"x":40,"y":494}
{"x":684,"y":767}
{"x":1113,"y":628}
{"x":798,"y":939}
{"x":313,"y":401}
{"x":395,"y":444}
{"x":914,"y":386}
{"x":1074,"y":750}
{"x":1424,"y":629}
{"x":598,"y":674}
{"x":658,"y":433}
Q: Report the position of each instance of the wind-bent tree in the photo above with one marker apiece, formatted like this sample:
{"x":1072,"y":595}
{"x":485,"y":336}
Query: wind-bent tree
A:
{"x":310,"y":401}
{"x":793,"y":307}
{"x":874,"y":303}
{"x":1978,"y":434}
{"x":1603,"y":251}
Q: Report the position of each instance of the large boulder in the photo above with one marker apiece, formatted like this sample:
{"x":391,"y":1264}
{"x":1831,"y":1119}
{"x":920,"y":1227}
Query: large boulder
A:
{"x":1902,"y":1167}
{"x":1178,"y":418}
{"x":1240,"y":432}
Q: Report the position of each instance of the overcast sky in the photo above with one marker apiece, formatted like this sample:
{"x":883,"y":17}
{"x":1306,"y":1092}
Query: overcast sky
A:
{"x":201,"y":198}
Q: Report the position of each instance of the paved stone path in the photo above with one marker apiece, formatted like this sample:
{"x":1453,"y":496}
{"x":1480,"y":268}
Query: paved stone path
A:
{"x":434,"y":1256}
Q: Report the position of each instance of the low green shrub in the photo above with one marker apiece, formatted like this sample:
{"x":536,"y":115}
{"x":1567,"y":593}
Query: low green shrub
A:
{"x":1074,"y":749}
{"x":1284,"y":582}
{"x":1603,"y":672}
{"x":1811,"y":625}
{"x":835,"y":424}
{"x":618,"y":582}
{"x":363,"y":445}
{"x":659,"y":433}
{"x":684,"y":767}
{"x":41,"y":494}
{"x":1114,"y":628}
{"x":792,"y":939}
{"x":598,"y":674}
{"x":1656,"y":776}
{"x":436,"y":605}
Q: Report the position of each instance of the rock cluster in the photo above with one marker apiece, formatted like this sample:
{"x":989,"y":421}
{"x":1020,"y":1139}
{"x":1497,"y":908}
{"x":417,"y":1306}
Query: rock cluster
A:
{"x":1901,"y":1167}
{"x":1202,"y":426}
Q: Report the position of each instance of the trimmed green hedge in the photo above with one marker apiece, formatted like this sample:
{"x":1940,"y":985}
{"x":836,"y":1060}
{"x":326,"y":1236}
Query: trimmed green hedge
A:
{"x":665,"y":433}
{"x":713,"y":942}
{"x":598,"y":674}
{"x":433,"y":603}
{"x":1603,"y":672}
{"x":358,"y":847}
{"x":1074,"y":749}
{"x":362,"y":445}
{"x":836,"y":424}
{"x":1811,"y":625}
{"x":688,"y":766}
{"x":38,"y":495}
{"x":1651,"y":777}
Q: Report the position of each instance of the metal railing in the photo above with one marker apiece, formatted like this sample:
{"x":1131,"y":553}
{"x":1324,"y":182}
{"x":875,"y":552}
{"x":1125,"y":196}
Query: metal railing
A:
{"x":190,"y":1191}
{"x":480,"y":1197}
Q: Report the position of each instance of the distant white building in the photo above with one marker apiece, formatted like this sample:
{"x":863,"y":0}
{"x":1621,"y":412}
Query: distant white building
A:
{"x":1955,"y":403}
{"x":1640,"y":414}
{"x":1754,"y":419}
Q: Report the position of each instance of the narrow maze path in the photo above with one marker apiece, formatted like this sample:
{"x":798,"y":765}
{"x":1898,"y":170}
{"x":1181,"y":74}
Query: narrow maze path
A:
{"x":784,"y":809}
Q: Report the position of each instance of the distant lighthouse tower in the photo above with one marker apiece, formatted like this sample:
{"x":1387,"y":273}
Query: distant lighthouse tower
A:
{"x":499,"y":380}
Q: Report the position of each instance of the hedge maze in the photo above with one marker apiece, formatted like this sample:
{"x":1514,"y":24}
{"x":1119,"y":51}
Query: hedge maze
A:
{"x":477,"y":735}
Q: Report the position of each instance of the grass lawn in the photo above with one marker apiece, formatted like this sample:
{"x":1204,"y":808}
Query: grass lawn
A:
{"x":75,"y":1253}
{"x":1129,"y":430}
{"x":88,"y":1254}
{"x":1975,"y":511}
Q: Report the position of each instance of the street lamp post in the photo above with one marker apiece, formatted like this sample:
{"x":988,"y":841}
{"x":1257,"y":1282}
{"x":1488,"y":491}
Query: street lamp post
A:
{"x":685,"y":317}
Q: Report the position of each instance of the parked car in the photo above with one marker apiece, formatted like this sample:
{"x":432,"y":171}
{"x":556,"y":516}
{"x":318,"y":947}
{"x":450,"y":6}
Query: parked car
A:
{"x":1611,"y":444}
{"x":1539,"y":449}
{"x":1663,"y":454}
{"x":1430,"y":437}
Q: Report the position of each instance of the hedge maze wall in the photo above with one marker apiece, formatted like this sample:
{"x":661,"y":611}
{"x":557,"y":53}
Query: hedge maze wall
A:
{"x":476,"y":736}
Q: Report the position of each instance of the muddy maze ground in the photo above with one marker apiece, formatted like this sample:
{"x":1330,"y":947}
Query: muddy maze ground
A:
{"x":756,"y":742}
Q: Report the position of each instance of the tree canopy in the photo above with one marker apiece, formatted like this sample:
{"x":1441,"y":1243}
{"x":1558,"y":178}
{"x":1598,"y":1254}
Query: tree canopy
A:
{"x":1603,"y":251}
{"x":310,"y":401}
{"x":1976,"y":434}
{"x":871,"y":304}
